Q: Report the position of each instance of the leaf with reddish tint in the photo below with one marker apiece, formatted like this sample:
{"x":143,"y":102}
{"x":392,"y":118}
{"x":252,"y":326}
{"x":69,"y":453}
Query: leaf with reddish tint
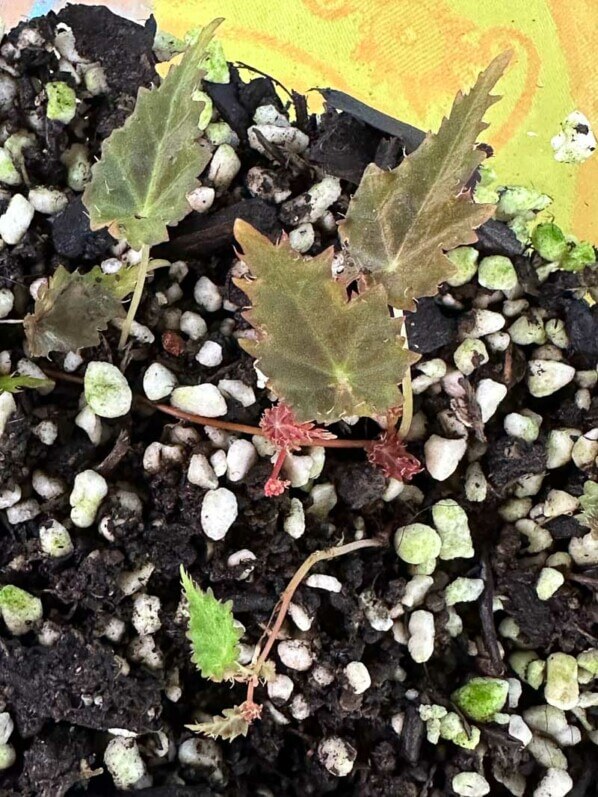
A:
{"x":324,"y":356}
{"x":280,"y":426}
{"x":390,"y":455}
{"x":401,"y":221}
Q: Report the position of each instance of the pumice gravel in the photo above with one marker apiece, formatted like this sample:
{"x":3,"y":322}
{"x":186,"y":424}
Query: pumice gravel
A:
{"x":459,"y":658}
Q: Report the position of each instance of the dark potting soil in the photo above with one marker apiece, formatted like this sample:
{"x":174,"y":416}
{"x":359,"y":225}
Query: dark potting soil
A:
{"x":83,"y":676}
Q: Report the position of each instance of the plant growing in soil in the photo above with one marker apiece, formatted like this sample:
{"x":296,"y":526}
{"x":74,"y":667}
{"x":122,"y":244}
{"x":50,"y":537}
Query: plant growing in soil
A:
{"x":148,"y":166}
{"x":215,"y":636}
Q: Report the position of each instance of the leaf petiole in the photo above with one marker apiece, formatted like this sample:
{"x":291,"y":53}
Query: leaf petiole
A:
{"x":137,"y":294}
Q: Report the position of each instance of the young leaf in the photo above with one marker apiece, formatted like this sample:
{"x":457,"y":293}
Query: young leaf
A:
{"x":400,"y":221}
{"x":390,"y":454}
{"x":231,"y":724}
{"x":324,"y":356}
{"x":16,"y":382}
{"x":150,"y":164}
{"x":212,"y":631}
{"x":69,"y":312}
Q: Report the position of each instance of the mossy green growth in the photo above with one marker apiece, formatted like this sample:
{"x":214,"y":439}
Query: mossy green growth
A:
{"x":19,"y":609}
{"x":497,"y":273}
{"x":453,"y":730}
{"x":9,"y":174}
{"x":481,"y":698}
{"x":589,"y":504}
{"x":486,"y":189}
{"x":215,"y":65}
{"x":62,"y":102}
{"x":417,"y":543}
{"x":465,"y":260}
{"x":549,"y":242}
{"x":581,"y":255}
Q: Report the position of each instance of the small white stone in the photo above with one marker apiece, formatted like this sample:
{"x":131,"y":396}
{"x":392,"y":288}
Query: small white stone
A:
{"x":302,"y":237}
{"x":545,"y":377}
{"x":23,"y":511}
{"x":300,"y":617}
{"x":124,"y":762}
{"x":157,"y":455}
{"x":561,"y":689}
{"x":8,"y":756}
{"x":47,"y":200}
{"x":87,"y":420}
{"x":193,"y":325}
{"x":203,"y":754}
{"x":300,"y":709}
{"x":201,"y":473}
{"x":47,"y":487}
{"x":10,"y":496}
{"x":321,"y":581}
{"x":575,"y":142}
{"x":72,"y":361}
{"x":15,"y":221}
{"x":107,"y":391}
{"x":158,"y":382}
{"x":280,"y":689}
{"x":6,"y":727}
{"x":337,"y":756}
{"x":323,"y":498}
{"x":358,"y":676}
{"x":528,"y":330}
{"x":146,"y":614}
{"x":224,"y":167}
{"x":421,"y":636}
{"x":294,"y":522}
{"x":311,"y":205}
{"x":46,"y":432}
{"x":7,"y":301}
{"x":295,"y":654}
{"x":207,"y":295}
{"x":518,"y":729}
{"x":443,"y":455}
{"x":463,"y":590}
{"x":558,"y":503}
{"x":470,"y":784}
{"x":270,"y":115}
{"x":8,"y":406}
{"x":559,"y":447}
{"x":297,"y":469}
{"x":218,"y":462}
{"x":555,"y":783}
{"x":219,"y":511}
{"x":204,"y":399}
{"x":210,"y":354}
{"x":453,"y":527}
{"x":240,"y":458}
{"x":549,"y":582}
{"x":489,"y":395}
{"x":89,"y":490}
{"x":416,"y":590}
{"x":585,"y":450}
{"x":469,"y":355}
{"x":289,"y":138}
{"x":476,"y":485}
{"x":201,"y":199}
{"x":238,"y":390}
{"x":522,"y":426}
{"x":485,"y":322}
{"x":584,"y":550}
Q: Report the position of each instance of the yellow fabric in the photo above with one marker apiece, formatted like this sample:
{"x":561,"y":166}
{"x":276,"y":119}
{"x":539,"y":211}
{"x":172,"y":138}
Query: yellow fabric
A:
{"x":409,"y":57}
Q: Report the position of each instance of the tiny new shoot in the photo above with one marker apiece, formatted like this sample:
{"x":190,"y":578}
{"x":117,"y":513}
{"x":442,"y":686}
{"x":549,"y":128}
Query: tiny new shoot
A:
{"x":214,"y":638}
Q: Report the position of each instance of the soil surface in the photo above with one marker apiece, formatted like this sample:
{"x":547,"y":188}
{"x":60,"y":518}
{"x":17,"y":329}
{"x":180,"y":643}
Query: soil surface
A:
{"x":83,"y":675}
